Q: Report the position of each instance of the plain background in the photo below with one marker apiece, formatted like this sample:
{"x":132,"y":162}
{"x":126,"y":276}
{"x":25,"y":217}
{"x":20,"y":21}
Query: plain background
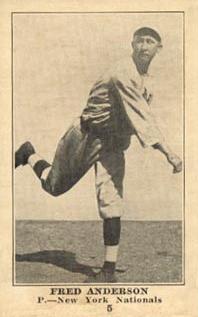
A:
{"x":57,"y":58}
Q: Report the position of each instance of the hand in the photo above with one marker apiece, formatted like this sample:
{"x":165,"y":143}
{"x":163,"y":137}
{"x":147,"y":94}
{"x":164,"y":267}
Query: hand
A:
{"x":175,"y":161}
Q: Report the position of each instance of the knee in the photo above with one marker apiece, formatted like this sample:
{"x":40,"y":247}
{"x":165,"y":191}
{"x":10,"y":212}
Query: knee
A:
{"x":111,"y":209}
{"x":54,"y":190}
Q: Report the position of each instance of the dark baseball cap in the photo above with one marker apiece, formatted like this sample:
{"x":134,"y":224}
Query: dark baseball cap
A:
{"x":148,"y":31}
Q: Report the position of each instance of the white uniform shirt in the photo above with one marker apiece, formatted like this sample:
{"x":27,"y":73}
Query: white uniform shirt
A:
{"x":124,"y":94}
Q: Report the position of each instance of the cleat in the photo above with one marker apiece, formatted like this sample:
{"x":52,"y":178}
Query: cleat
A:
{"x":23,"y":153}
{"x":101,"y":277}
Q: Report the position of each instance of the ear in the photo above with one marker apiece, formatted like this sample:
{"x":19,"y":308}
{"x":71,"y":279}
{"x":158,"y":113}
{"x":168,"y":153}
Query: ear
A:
{"x":160,"y":46}
{"x":132,"y":44}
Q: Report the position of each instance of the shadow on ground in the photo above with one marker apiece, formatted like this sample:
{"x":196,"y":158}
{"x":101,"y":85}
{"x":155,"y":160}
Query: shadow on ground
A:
{"x":68,"y":251}
{"x":59,"y":258}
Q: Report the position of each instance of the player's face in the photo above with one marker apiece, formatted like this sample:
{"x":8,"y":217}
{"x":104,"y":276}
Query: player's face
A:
{"x":145,"y":48}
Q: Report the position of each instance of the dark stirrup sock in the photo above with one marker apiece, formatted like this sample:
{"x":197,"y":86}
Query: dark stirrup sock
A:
{"x":40,"y":166}
{"x":111,"y":231}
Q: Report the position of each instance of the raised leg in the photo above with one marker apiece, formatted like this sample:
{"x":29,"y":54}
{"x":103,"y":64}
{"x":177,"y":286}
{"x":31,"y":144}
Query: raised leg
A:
{"x":76,"y":152}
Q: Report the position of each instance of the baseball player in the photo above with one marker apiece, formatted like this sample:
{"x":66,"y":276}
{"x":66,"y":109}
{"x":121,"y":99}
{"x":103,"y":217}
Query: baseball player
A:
{"x":118,"y":107}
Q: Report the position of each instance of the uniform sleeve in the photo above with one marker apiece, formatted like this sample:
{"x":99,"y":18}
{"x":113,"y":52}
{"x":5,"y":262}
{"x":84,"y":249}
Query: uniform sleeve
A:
{"x":96,"y":114}
{"x":138,"y":112}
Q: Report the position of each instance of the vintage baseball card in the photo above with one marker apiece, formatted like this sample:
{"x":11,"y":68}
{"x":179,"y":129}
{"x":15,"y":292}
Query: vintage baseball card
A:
{"x":98,"y":172}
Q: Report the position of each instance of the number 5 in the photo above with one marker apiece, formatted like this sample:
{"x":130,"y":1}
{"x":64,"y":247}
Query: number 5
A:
{"x":109,"y":308}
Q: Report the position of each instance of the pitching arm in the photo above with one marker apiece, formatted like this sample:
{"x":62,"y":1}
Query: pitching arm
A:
{"x":172,"y":158}
{"x":143,"y":121}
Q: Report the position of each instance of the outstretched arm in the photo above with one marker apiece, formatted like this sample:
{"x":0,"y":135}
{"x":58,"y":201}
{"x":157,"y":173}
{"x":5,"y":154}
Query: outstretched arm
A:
{"x":143,"y":121}
{"x":172,"y":158}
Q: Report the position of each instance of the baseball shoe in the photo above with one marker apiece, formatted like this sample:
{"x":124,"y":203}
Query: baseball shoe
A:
{"x":23,"y":153}
{"x":101,"y":277}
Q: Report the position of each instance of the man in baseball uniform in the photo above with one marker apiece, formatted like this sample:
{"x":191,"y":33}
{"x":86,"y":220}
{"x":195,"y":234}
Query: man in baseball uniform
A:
{"x":117,"y":108}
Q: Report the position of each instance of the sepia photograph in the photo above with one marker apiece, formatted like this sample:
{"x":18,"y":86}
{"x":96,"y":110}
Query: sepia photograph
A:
{"x":98,"y":148}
